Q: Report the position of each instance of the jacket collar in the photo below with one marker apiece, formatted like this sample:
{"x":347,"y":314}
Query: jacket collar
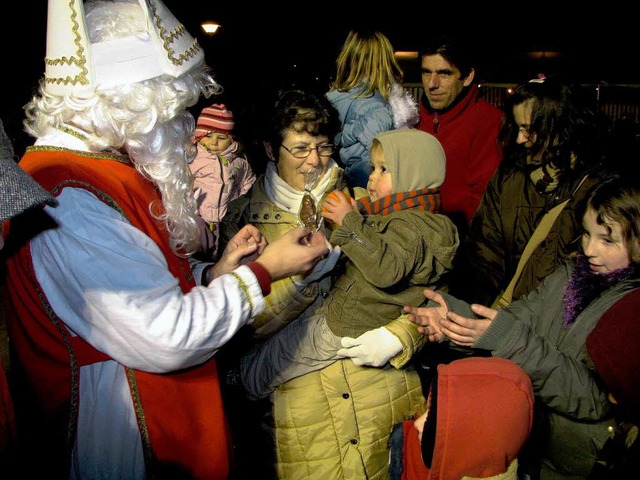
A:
{"x":466,"y":97}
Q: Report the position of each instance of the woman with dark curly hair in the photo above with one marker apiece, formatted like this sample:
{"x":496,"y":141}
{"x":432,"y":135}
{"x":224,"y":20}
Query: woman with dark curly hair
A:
{"x":335,"y":422}
{"x":552,"y":150}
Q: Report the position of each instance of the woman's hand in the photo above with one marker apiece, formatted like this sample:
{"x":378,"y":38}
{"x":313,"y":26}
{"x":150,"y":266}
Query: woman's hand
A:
{"x":466,"y":331}
{"x":428,"y":318}
{"x":336,"y":205}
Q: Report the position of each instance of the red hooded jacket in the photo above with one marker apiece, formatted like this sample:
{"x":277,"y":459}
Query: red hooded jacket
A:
{"x":483,"y":417}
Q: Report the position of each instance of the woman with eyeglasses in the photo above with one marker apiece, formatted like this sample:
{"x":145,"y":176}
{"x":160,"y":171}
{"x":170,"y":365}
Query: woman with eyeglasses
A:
{"x":553,"y":146}
{"x":299,"y":173}
{"x":331,"y":423}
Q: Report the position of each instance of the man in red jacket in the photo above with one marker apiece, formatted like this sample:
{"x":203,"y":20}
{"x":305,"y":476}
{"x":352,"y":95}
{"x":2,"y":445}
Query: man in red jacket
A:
{"x":466,"y":126}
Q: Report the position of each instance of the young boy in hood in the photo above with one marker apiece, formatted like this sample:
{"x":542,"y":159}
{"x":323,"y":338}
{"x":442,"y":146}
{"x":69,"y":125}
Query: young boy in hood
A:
{"x":479,"y":414}
{"x":396,"y":243}
{"x":613,"y":349}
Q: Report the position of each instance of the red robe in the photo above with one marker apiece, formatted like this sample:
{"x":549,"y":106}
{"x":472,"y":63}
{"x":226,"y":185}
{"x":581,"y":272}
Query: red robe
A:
{"x":7,"y":419}
{"x":180,"y":415}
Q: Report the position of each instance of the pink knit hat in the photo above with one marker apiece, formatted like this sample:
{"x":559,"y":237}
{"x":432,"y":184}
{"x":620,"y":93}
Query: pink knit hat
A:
{"x":215,"y":118}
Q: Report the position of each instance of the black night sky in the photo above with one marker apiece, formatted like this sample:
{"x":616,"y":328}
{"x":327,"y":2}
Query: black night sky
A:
{"x":259,"y":48}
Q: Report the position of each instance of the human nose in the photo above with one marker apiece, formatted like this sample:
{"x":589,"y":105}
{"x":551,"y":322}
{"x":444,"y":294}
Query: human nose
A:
{"x":522,"y":138}
{"x":433,"y":81}
{"x":314,"y":158}
{"x":419,"y":424}
{"x":588,"y":247}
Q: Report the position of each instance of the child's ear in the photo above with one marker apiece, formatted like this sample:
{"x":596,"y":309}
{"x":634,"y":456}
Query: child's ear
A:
{"x":269,"y":150}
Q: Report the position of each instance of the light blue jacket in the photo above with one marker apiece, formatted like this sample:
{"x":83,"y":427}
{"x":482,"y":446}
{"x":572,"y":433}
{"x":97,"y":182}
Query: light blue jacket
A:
{"x":362,"y":119}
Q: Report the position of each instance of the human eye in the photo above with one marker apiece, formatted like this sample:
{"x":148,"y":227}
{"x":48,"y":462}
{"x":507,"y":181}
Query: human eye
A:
{"x":300,"y":151}
{"x":325,"y":149}
{"x":445,"y":74}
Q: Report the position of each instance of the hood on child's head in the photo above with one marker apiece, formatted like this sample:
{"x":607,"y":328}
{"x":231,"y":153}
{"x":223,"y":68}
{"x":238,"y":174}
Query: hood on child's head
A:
{"x":415,"y":159}
{"x":482,"y":405}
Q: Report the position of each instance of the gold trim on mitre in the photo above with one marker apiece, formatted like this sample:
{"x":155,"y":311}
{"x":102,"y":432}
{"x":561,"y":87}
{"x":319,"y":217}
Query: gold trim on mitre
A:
{"x":181,"y":49}
{"x":66,"y":64}
{"x":76,"y":67}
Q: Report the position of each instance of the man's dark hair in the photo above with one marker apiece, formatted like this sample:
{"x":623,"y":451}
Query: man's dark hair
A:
{"x":454,"y":50}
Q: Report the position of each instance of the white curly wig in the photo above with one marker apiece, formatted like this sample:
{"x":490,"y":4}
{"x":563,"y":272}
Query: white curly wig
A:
{"x":148,"y":120}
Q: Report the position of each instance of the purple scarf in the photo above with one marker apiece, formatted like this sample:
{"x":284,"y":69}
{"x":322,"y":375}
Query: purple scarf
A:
{"x":585,"y":286}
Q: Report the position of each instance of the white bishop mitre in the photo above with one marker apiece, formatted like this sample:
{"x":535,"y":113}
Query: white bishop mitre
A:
{"x":76,"y":67}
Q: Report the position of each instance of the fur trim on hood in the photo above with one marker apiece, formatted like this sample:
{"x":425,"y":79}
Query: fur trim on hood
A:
{"x":405,"y":108}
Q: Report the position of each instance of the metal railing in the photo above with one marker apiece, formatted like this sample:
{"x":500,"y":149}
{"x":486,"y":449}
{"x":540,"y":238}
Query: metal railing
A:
{"x":616,"y":101}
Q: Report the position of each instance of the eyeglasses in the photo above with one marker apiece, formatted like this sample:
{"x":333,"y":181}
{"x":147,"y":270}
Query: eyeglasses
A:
{"x":324,"y":150}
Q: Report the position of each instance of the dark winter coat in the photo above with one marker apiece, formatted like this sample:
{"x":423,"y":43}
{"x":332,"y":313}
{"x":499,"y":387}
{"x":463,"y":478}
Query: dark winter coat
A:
{"x":510,"y":211}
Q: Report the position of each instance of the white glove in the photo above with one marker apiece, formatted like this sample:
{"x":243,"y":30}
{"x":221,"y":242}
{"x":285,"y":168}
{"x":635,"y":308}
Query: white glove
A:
{"x":321,"y":268}
{"x":373,"y":348}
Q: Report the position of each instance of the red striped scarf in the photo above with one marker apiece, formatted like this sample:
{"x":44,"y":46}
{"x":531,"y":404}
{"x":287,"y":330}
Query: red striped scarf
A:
{"x":427,"y":199}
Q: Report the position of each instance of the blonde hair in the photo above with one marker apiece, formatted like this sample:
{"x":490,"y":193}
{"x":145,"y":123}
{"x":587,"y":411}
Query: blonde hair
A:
{"x":367,"y":60}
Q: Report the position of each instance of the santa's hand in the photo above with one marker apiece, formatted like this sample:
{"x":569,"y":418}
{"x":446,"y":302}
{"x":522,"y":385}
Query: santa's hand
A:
{"x":322,"y":268}
{"x":373,"y":348}
{"x":244,"y":247}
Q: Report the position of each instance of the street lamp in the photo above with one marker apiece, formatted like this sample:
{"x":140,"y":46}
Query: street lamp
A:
{"x":210,"y":27}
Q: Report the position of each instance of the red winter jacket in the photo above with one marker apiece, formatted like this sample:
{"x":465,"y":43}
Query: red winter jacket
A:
{"x":468,"y":132}
{"x":483,"y":416}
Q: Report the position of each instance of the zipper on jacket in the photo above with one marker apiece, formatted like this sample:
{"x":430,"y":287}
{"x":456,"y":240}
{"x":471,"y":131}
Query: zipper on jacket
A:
{"x":436,"y":122}
{"x":356,"y":238}
{"x":220,"y":162}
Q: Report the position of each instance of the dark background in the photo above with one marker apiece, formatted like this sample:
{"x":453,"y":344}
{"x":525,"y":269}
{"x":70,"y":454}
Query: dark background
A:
{"x":262,"y":48}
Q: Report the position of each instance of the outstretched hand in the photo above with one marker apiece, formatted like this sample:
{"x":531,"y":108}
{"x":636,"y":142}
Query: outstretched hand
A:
{"x":296,"y":252}
{"x":465,"y":331}
{"x":244,"y":247}
{"x":322,"y":268}
{"x":428,"y":318}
